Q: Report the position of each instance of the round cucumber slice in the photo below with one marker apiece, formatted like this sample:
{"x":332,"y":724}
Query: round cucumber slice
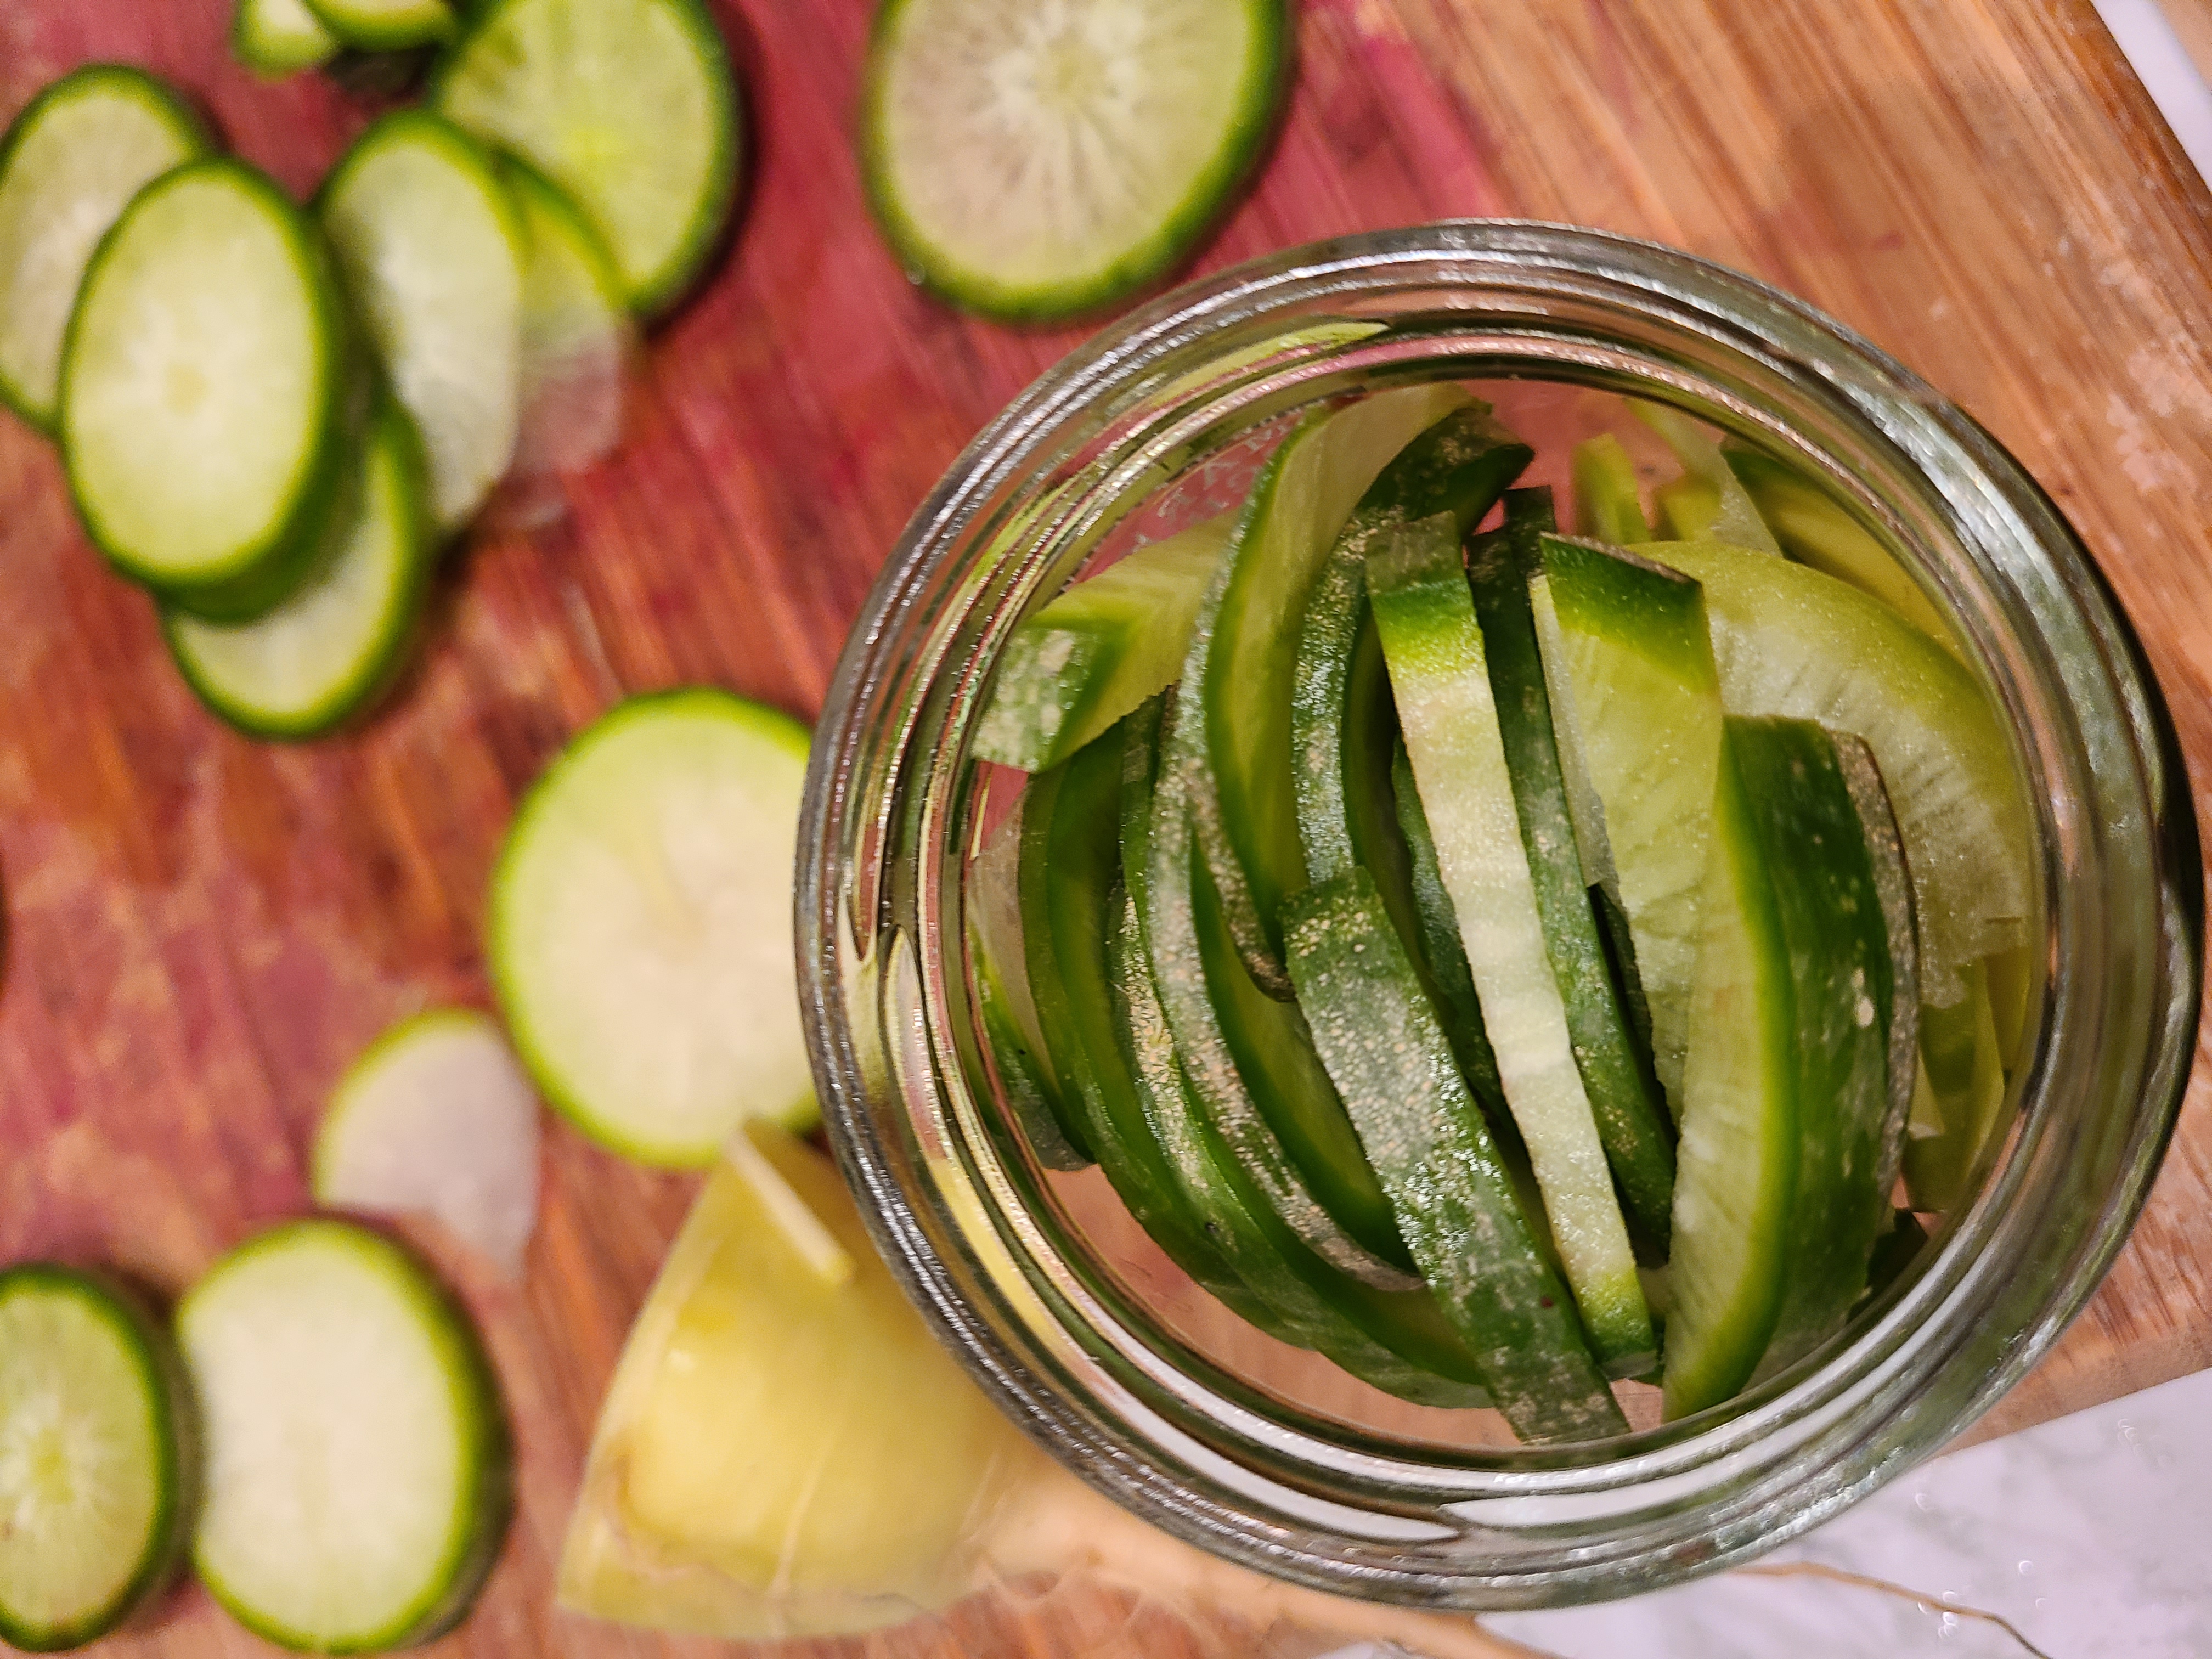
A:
{"x":629,"y":106}
{"x":201,"y":389}
{"x":98,"y":1457}
{"x":641,"y":932}
{"x":576,"y":333}
{"x":329,"y":650}
{"x":432,"y":252}
{"x":358,"y":1468}
{"x":1033,"y":163}
{"x":68,"y":166}
{"x":280,"y":37}
{"x":385,"y":25}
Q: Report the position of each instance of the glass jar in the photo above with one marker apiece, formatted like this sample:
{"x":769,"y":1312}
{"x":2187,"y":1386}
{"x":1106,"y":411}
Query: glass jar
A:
{"x":1056,"y":1310}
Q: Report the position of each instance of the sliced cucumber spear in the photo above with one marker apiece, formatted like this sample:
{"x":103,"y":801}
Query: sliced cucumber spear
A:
{"x":1631,"y":1123}
{"x":1234,"y":717}
{"x":68,"y":165}
{"x":1441,"y":957}
{"x":280,"y":37}
{"x":1439,"y":669}
{"x":358,"y":1466}
{"x":641,"y":930}
{"x":1959,"y":1099}
{"x":1033,"y":164}
{"x":385,"y":25}
{"x":577,"y":337}
{"x":99,"y":1457}
{"x":1608,"y":506}
{"x":1069,"y":672}
{"x":1730,"y":517}
{"x":329,"y":650}
{"x":433,"y":256}
{"x":1454,"y":1197}
{"x":1790,"y":640}
{"x":202,"y":385}
{"x":629,"y":106}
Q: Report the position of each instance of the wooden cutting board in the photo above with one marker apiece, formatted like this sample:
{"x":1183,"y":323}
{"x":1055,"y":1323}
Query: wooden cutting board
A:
{"x":203,"y":931}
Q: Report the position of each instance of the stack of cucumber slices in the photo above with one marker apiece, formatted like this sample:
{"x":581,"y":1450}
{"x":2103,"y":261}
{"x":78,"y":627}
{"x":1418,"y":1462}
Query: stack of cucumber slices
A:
{"x":1518,"y":967}
{"x":272,"y":418}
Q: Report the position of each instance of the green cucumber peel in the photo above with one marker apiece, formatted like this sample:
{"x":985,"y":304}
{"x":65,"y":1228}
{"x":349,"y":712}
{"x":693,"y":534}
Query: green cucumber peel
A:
{"x":385,"y":25}
{"x":1441,"y":958}
{"x":279,"y":36}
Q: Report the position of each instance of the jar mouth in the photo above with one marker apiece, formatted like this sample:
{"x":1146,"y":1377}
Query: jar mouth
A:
{"x":893,"y":807}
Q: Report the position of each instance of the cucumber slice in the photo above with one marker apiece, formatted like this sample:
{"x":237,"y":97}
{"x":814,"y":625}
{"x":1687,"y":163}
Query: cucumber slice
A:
{"x":358,"y":1466}
{"x":992,"y":899}
{"x":1631,"y":1123}
{"x":437,"y":1117}
{"x":640,"y":924}
{"x":200,"y":413}
{"x":329,"y":650}
{"x":1792,"y":641}
{"x":1439,"y":670}
{"x":1960,"y":1100}
{"x":385,"y":25}
{"x":1630,"y":666}
{"x":1689,"y":508}
{"x":1608,"y":506}
{"x":280,"y":37}
{"x":1094,"y":653}
{"x":433,"y":255}
{"x":629,"y":106}
{"x":1734,"y":520}
{"x":99,"y":1457}
{"x":1449,"y":981}
{"x":577,"y":338}
{"x":68,"y":165}
{"x":1034,"y":164}
{"x":1243,"y":666}
{"x":1454,"y":1198}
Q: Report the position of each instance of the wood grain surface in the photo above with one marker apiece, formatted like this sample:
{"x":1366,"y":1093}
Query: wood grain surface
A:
{"x":203,"y":931}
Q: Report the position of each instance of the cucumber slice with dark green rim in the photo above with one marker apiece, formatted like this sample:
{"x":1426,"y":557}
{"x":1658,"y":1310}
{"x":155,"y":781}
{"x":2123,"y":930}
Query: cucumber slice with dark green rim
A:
{"x":331,"y":649}
{"x":99,"y":1457}
{"x":1239,"y":679}
{"x":992,"y":904}
{"x":629,"y":106}
{"x":359,"y":1475}
{"x":1608,"y":505}
{"x":1631,"y":1124}
{"x":1439,"y":670}
{"x":1440,"y":955}
{"x":202,"y":388}
{"x":1733,"y":518}
{"x":68,"y":166}
{"x":1630,"y":663}
{"x":1034,"y":164}
{"x":640,"y":926}
{"x":385,"y":25}
{"x":432,"y":253}
{"x":1455,"y":1199}
{"x":577,"y":336}
{"x":1098,"y":650}
{"x":280,"y":37}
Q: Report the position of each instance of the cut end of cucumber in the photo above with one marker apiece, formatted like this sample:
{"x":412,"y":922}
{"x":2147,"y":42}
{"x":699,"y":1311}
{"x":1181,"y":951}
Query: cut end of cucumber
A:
{"x":280,"y":37}
{"x":1034,"y":163}
{"x":640,"y":927}
{"x":577,"y":339}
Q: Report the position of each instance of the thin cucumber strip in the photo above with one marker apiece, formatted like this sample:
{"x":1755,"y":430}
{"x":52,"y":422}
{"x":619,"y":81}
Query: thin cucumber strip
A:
{"x":1097,"y":651}
{"x":433,"y":256}
{"x":992,"y":904}
{"x":1792,"y":641}
{"x":1242,"y":667}
{"x":1454,"y":1197}
{"x":280,"y":37}
{"x":629,"y":106}
{"x":2012,"y":996}
{"x":1734,"y":520}
{"x":385,"y":25}
{"x":1041,"y":887}
{"x":1960,"y":1101}
{"x":1608,"y":505}
{"x":1893,"y":886}
{"x":640,"y":926}
{"x":359,"y":1477}
{"x":1627,"y":655}
{"x":1689,"y":508}
{"x":436,"y":1117}
{"x":1440,"y":955}
{"x":577,"y":337}
{"x":1439,"y":670}
{"x":1035,"y":164}
{"x":201,"y":391}
{"x":99,"y":1457}
{"x":70,"y":163}
{"x":1631,"y":1123}
{"x":329,"y":650}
